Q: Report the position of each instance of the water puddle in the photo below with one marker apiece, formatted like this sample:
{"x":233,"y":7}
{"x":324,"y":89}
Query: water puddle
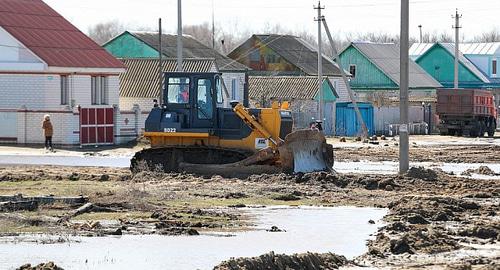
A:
{"x":391,"y":167}
{"x":342,"y":230}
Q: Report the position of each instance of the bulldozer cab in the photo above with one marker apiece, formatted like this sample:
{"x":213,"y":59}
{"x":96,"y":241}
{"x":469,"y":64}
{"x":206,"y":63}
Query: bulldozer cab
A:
{"x":193,"y":98}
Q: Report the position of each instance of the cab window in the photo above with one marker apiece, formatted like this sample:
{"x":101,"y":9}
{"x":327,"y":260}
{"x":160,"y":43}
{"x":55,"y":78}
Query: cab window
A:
{"x":204,"y":99}
{"x":178,"y":90}
{"x":218,"y":88}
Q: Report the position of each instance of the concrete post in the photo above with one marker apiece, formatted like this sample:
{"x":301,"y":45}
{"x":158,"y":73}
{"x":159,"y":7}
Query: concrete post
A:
{"x":404,"y":147}
{"x":116,"y":124}
{"x":21,"y":124}
{"x":137,"y":118}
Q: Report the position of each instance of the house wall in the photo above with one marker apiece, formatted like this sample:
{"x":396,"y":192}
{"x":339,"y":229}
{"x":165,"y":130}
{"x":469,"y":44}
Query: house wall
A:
{"x":26,"y":98}
{"x":340,"y":88}
{"x":439,"y":63}
{"x":258,"y":56}
{"x":306,"y":111}
{"x":127,"y":46}
{"x":14,"y":56}
{"x":240,"y":84}
{"x":367,"y":74}
{"x":483,"y":62}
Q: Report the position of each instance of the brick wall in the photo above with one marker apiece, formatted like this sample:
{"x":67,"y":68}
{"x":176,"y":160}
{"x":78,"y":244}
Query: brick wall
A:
{"x":31,"y":96}
{"x":127,"y":103}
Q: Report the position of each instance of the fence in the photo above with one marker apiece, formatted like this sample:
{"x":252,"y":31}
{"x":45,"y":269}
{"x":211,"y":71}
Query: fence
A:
{"x":413,"y":128}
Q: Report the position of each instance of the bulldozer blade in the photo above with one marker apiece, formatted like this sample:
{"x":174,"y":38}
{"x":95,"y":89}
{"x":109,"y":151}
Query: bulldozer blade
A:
{"x":306,"y":151}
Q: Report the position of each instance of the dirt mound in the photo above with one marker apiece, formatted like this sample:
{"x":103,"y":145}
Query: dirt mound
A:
{"x":271,"y":261}
{"x":483,"y":232}
{"x":422,"y":173}
{"x":422,"y":210}
{"x":42,"y":266}
{"x":415,"y":241}
{"x":483,"y":170}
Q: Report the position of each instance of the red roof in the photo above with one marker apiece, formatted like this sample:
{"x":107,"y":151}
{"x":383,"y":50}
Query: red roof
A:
{"x":51,"y":37}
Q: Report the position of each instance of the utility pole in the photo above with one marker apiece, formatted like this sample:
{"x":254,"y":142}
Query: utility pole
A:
{"x":404,"y":146}
{"x":213,"y":26}
{"x":179,"y":36}
{"x":160,"y":63}
{"x":320,"y":62}
{"x":344,"y":78}
{"x":457,"y":44}
{"x":420,"y":28}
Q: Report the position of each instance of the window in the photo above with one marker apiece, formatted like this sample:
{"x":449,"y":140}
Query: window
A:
{"x":255,"y":55}
{"x":178,"y":90}
{"x":352,"y":70}
{"x":204,"y":99}
{"x":234,"y":89}
{"x":271,"y":59}
{"x":218,"y":87}
{"x":99,"y":90}
{"x":494,"y":67}
{"x":64,"y":90}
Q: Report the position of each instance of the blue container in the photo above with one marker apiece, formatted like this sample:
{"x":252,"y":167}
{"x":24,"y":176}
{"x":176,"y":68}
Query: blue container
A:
{"x":347,"y":124}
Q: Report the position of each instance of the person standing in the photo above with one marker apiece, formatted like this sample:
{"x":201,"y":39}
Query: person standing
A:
{"x":48,"y":131}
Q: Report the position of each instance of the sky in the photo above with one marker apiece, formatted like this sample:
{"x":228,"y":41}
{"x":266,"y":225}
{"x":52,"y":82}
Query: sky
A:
{"x":343,"y":16}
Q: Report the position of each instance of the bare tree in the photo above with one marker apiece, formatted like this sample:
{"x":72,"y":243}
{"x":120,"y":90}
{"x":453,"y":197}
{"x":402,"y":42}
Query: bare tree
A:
{"x":201,"y":32}
{"x":103,"y":32}
{"x":490,"y":36}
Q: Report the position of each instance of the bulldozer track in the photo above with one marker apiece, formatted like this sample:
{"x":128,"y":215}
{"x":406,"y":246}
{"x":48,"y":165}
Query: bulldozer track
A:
{"x":167,"y":159}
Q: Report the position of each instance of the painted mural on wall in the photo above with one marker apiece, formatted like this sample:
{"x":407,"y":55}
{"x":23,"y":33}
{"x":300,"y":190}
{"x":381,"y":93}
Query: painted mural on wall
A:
{"x":259,"y":57}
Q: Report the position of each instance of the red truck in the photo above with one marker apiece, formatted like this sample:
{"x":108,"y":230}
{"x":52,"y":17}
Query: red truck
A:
{"x":466,"y":111}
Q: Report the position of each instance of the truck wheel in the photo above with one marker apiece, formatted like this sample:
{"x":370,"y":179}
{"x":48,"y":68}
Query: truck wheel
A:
{"x":492,"y":128}
{"x":473,"y":133}
{"x":460,"y":132}
{"x":482,"y":129}
{"x":451,"y":132}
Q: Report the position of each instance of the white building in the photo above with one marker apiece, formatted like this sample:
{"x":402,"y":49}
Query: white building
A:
{"x":48,"y":66}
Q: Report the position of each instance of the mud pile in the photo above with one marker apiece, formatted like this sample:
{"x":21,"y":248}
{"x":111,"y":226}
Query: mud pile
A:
{"x":57,"y":173}
{"x":425,"y":225}
{"x":42,"y":266}
{"x":483,"y":170}
{"x":422,"y":173}
{"x":272,"y":261}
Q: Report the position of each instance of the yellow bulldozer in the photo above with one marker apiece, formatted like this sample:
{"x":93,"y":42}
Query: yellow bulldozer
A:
{"x":191,"y":131}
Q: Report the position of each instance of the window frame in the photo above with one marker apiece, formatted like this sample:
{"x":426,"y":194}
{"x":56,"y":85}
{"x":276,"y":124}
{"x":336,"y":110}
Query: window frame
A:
{"x":234,"y":89}
{"x":218,"y":90}
{"x":99,"y":90}
{"x":494,"y":67}
{"x":64,"y":87}
{"x":208,"y":99}
{"x":93,"y":90}
{"x":353,"y":74}
{"x":179,"y":84}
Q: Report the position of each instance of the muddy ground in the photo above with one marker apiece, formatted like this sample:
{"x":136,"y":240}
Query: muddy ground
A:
{"x":463,"y":150}
{"x":435,"y":220}
{"x":434,"y":217}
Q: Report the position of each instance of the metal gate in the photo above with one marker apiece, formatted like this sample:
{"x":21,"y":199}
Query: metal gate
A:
{"x":96,"y":126}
